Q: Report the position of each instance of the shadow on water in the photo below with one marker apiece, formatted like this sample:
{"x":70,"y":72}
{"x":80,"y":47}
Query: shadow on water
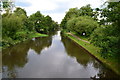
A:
{"x":51,"y":57}
{"x":17,"y":56}
{"x":85,"y":59}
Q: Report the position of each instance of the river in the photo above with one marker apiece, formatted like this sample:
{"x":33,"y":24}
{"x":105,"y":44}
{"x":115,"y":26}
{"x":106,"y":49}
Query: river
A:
{"x":51,"y":57}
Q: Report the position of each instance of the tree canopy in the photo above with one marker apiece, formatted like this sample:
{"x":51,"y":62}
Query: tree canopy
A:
{"x":75,"y":12}
{"x":82,"y":25}
{"x":108,"y":35}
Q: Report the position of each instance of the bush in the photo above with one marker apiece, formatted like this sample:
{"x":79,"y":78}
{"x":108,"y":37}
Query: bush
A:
{"x":102,"y":38}
{"x":82,"y":24}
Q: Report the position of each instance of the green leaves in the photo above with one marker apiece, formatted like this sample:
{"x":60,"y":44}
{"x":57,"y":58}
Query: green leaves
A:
{"x":104,"y":38}
{"x":41,"y":23}
{"x":11,"y":25}
{"x":19,"y":11}
{"x":82,"y":24}
{"x":75,"y":12}
{"x":107,"y":36}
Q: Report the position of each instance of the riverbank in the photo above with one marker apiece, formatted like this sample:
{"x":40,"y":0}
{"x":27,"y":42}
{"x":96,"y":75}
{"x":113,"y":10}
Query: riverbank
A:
{"x":94,"y":51}
{"x":25,"y":36}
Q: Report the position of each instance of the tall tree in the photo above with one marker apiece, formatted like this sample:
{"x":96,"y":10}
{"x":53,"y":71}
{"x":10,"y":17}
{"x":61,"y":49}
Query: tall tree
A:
{"x":37,"y":19}
{"x":108,"y":36}
{"x":75,"y":12}
{"x":86,"y":11}
{"x":82,"y":24}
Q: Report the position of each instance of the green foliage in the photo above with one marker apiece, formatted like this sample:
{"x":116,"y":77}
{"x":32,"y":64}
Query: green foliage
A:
{"x":75,"y":12}
{"x":42,"y":24}
{"x":63,"y":23}
{"x":102,"y":37}
{"x":17,"y":26}
{"x":11,"y":24}
{"x":19,"y":11}
{"x":108,"y":36}
{"x":28,"y":25}
{"x":82,"y":24}
{"x":71,"y":24}
{"x":86,"y":11}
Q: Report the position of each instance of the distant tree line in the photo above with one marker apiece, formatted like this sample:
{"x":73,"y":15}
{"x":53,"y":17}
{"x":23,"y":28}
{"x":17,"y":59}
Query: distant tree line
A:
{"x":41,"y":23}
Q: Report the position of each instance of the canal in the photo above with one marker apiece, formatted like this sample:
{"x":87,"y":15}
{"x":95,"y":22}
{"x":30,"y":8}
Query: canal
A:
{"x":51,"y":57}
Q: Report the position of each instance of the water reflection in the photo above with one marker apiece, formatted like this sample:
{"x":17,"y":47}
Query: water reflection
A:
{"x":83,"y":58}
{"x":80,"y":54}
{"x":51,"y":57}
{"x":15,"y":57}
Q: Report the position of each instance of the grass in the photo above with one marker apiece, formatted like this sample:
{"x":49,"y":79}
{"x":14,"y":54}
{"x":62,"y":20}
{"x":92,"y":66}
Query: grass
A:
{"x":81,"y":37}
{"x":32,"y":35}
{"x":109,"y":62}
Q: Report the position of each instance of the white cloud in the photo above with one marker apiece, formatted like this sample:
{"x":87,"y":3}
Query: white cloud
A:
{"x":57,"y":16}
{"x":42,"y":5}
{"x":57,"y":8}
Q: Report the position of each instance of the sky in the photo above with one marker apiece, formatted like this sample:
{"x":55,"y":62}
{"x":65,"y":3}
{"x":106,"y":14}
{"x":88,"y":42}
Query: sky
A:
{"x":55,"y":8}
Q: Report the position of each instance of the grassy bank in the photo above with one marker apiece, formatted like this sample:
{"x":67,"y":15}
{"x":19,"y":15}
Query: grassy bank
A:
{"x":20,"y":37}
{"x":32,"y":35}
{"x":94,"y":51}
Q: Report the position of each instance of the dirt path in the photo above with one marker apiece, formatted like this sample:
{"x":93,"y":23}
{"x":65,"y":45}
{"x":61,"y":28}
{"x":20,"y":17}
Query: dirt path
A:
{"x":78,"y":37}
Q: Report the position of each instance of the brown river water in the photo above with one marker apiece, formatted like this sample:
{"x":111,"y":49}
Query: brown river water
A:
{"x":54,"y":56}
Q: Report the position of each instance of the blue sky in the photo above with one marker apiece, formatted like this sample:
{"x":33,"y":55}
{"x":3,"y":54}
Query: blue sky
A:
{"x":55,"y":8}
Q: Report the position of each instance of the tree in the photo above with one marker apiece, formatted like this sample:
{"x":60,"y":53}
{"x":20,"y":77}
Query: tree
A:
{"x":86,"y":11}
{"x":108,"y":36}
{"x":102,"y":38}
{"x":71,"y":24}
{"x":75,"y":12}
{"x":82,"y":24}
{"x":42,"y":24}
{"x":19,"y":11}
{"x":37,"y":19}
{"x":11,"y":24}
